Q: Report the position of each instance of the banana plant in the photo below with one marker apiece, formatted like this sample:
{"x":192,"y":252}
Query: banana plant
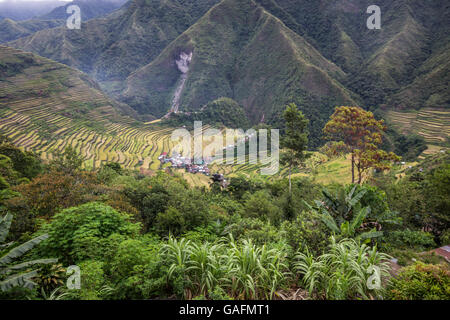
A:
{"x":19,"y":274}
{"x":336,"y":211}
{"x":341,"y":205}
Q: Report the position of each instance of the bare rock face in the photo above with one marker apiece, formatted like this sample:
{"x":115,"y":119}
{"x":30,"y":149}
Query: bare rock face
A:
{"x":184,"y":61}
{"x":183,"y":66}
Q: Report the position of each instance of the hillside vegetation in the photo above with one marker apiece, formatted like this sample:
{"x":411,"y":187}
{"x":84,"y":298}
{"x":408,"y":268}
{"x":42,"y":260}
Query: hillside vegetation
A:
{"x":262,"y":54}
{"x":96,"y":123}
{"x":12,"y":30}
{"x":432,"y":124}
{"x":110,"y":49}
{"x":233,"y":56}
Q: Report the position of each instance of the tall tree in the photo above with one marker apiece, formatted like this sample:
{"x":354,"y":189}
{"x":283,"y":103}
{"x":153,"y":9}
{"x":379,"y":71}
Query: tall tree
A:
{"x":372,"y":157}
{"x":68,"y":162}
{"x":295,"y":139}
{"x":362,"y":134}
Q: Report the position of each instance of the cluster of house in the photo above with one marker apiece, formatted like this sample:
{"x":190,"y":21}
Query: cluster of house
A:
{"x":190,"y":165}
{"x":193,"y":166}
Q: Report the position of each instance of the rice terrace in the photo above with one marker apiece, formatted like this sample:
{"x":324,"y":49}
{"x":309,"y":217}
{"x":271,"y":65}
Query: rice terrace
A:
{"x":208,"y":157}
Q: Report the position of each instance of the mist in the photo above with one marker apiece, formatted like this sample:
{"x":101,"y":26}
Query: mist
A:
{"x":27,"y":9}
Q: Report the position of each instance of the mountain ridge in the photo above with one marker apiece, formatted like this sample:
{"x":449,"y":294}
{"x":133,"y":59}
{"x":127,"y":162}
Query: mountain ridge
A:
{"x":233,"y":47}
{"x":317,"y":54}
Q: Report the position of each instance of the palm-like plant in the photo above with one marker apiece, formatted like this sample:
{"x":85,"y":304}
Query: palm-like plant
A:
{"x":202,"y":266}
{"x":344,"y":271}
{"x":15,"y":275}
{"x":50,"y":277}
{"x":343,"y":215}
{"x":342,"y":204}
{"x":175,"y":253}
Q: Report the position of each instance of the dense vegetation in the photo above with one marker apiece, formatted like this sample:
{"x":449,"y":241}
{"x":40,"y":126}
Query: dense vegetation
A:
{"x":357,"y":209}
{"x":218,"y":113}
{"x":135,"y":236}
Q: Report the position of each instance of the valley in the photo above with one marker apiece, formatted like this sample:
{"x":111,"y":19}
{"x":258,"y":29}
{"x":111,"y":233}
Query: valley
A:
{"x":225,"y":150}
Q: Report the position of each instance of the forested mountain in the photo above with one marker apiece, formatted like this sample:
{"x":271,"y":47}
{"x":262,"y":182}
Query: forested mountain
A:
{"x":11,"y":30}
{"x":110,"y":49}
{"x":36,"y":93}
{"x":378,"y":62}
{"x":233,"y":55}
{"x":262,"y":54}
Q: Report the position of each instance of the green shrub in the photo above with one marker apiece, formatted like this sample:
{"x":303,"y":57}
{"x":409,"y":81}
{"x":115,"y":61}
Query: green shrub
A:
{"x":445,"y":237}
{"x":25,"y":163}
{"x":3,"y":183}
{"x":130,"y":253}
{"x":421,"y":282}
{"x":411,"y":239}
{"x":307,"y":231}
{"x":92,"y":280}
{"x":261,"y":205}
{"x":145,"y":282}
{"x":80,"y":233}
{"x":404,"y":257}
{"x":201,"y":234}
{"x":258,"y":231}
{"x":170,"y":222}
{"x":219,"y":294}
{"x":136,"y":270}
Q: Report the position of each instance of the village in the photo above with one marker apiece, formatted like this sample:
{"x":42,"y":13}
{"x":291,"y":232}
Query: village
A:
{"x":189,"y":164}
{"x":192,"y":166}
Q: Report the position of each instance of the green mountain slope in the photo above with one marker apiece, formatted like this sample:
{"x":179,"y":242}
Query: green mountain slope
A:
{"x":110,"y":48}
{"x":48,"y":94}
{"x":46,"y":106}
{"x":11,"y":30}
{"x":379,"y":63}
{"x":262,"y":54}
{"x":430,"y":88}
{"x":233,"y":55}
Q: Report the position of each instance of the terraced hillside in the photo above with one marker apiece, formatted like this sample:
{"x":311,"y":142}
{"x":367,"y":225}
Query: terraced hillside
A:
{"x":262,"y":54}
{"x":431,"y":123}
{"x":46,"y":106}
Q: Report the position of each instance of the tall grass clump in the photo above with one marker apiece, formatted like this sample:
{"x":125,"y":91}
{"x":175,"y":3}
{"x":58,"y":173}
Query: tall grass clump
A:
{"x":344,"y":271}
{"x":241,"y":269}
{"x":256,"y":272}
